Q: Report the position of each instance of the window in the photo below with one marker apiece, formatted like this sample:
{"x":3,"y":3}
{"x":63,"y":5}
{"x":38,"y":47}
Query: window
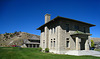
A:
{"x":67,"y":27}
{"x":67,"y":42}
{"x":51,"y":42}
{"x":67,"y":39}
{"x":76,"y":27}
{"x":84,"y":30}
{"x":54,"y":43}
{"x":43,"y":43}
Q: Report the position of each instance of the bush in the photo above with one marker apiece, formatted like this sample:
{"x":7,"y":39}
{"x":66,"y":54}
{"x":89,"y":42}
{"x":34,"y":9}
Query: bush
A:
{"x":6,"y":36}
{"x":6,"y":33}
{"x":92,"y":43}
{"x":46,"y":49}
{"x":40,"y":49}
{"x":11,"y":35}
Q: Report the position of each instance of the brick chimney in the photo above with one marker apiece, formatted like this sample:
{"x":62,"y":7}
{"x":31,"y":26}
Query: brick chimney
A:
{"x":47,"y":18}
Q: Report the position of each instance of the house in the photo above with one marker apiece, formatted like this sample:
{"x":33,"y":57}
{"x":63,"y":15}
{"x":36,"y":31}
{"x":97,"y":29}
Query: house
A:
{"x":96,"y":42}
{"x":33,"y":42}
{"x":63,"y":34}
{"x":97,"y":45}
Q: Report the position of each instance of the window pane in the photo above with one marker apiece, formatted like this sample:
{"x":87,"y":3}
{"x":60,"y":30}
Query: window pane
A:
{"x":84,"y":30}
{"x":43,"y":43}
{"x":67,"y":39}
{"x":54,"y":43}
{"x":67,"y":43}
{"x":67,"y":27}
{"x":54,"y":29}
{"x":51,"y":43}
{"x":76,"y":27}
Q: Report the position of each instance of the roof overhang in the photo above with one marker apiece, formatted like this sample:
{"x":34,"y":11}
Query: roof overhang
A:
{"x":81,"y":34}
{"x":76,"y":33}
{"x":58,"y":17}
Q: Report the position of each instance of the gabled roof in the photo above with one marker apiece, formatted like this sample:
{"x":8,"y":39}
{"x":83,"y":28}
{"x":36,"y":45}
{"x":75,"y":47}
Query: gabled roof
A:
{"x":58,"y":17}
{"x":34,"y":38}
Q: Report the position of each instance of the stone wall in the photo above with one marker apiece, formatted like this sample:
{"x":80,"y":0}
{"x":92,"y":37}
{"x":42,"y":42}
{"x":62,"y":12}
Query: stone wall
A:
{"x":57,"y":30}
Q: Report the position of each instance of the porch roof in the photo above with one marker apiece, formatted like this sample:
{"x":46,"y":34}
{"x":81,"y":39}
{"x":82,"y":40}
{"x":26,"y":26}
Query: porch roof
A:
{"x":80,"y":33}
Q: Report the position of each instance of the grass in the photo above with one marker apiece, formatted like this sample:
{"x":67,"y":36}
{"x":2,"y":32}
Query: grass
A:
{"x":97,"y":49}
{"x":34,"y":53}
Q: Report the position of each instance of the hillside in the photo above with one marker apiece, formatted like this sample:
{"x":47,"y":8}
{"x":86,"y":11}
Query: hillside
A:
{"x":96,"y":39}
{"x":16,"y":38}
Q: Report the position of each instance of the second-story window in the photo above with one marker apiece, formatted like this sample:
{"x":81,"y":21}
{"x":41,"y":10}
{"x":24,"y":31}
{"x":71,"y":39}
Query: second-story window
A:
{"x":67,"y":27}
{"x":76,"y":27}
{"x":84,"y":29}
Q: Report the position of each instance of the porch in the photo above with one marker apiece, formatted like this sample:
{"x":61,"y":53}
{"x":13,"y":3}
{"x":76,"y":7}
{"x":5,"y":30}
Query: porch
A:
{"x":81,"y":41}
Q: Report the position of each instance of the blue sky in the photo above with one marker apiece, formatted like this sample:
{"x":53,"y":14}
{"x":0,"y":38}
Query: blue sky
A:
{"x":27,"y":15}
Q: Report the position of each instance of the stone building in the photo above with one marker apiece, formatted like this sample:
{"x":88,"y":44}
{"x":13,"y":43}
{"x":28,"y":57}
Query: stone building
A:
{"x":33,"y":42}
{"x":62,"y":34}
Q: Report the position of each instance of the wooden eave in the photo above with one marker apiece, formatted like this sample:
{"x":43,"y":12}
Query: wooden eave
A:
{"x":58,"y":17}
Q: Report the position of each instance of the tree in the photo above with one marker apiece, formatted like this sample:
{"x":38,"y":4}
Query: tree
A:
{"x":92,"y":43}
{"x":15,"y":32}
{"x":6,"y":33}
{"x":11,"y":35}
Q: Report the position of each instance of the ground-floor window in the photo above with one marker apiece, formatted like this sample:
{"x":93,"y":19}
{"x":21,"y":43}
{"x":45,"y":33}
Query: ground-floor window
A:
{"x":67,"y":42}
{"x":43,"y":43}
{"x":51,"y":43}
{"x":54,"y":43}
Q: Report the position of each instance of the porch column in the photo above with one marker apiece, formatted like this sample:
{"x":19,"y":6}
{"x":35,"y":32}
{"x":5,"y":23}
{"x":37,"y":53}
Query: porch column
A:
{"x":32,"y":45}
{"x":87,"y":45}
{"x":77,"y":43}
{"x":28,"y":45}
{"x":35,"y":45}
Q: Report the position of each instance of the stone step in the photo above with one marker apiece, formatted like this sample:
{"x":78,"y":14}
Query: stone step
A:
{"x":83,"y":52}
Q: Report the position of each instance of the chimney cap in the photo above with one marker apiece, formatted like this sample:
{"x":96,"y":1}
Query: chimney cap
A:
{"x":47,"y":15}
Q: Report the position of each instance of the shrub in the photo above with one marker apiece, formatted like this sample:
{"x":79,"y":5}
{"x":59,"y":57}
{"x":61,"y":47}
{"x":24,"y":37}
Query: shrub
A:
{"x":92,"y":43}
{"x":40,"y":49}
{"x":11,"y":35}
{"x":46,"y":49}
{"x":6,"y":33}
{"x":6,"y":36}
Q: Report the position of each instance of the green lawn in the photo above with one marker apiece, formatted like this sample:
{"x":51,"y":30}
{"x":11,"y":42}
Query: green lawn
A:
{"x":97,"y":49}
{"x":34,"y":53}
